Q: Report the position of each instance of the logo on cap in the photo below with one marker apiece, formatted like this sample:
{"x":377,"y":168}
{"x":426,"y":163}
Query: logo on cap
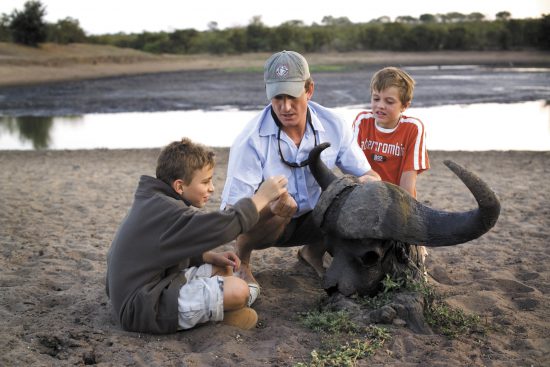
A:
{"x":281,"y":71}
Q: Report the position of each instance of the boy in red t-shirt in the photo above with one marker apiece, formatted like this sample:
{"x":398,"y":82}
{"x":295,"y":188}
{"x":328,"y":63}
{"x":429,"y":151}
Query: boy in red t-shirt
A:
{"x":395,"y":145}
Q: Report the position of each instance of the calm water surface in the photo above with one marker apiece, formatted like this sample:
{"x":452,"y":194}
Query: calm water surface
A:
{"x":486,"y":126}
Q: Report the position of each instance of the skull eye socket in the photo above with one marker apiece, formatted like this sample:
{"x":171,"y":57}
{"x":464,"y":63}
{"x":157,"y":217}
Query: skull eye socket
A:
{"x":370,"y":258}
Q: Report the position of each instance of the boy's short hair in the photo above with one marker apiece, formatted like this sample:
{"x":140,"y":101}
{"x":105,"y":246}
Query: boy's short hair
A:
{"x":394,"y":77}
{"x":180,"y":159}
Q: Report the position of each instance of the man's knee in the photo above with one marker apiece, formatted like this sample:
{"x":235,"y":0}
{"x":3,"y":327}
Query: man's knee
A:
{"x":264,"y":234}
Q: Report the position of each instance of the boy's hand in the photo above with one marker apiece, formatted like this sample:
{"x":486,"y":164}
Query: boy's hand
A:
{"x":273,"y":187}
{"x":285,"y":206}
{"x":269,"y":190}
{"x":222,"y":259}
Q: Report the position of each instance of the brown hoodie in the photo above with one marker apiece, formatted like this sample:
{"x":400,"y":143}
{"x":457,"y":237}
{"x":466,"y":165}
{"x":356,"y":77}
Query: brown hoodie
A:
{"x":160,"y":236}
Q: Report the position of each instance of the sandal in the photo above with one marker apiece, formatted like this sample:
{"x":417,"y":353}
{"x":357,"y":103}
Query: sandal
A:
{"x":254,"y":289}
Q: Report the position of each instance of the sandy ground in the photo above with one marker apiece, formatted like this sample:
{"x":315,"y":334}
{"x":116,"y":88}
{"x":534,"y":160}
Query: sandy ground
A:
{"x":60,"y":210}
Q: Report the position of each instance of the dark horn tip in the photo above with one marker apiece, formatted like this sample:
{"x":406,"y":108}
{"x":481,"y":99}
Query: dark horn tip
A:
{"x":316,"y":151}
{"x":449,"y":163}
{"x":322,"y":146}
{"x":455,"y":167}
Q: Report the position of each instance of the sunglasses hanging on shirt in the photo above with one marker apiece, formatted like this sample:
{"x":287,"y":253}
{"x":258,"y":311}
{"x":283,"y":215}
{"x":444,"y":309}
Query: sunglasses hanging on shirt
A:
{"x":293,"y":164}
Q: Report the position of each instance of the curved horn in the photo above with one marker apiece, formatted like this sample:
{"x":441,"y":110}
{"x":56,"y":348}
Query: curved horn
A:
{"x":318,"y":169}
{"x":386,"y":211}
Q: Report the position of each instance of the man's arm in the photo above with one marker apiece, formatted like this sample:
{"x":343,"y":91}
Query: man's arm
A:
{"x":370,"y":176}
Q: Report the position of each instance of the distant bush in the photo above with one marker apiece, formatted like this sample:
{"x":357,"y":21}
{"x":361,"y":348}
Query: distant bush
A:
{"x":5,"y":33}
{"x":454,"y":32}
{"x":27,"y":26}
{"x":65,"y":31}
{"x":429,"y":32}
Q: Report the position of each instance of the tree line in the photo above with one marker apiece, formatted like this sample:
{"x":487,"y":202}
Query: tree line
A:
{"x":429,"y":32}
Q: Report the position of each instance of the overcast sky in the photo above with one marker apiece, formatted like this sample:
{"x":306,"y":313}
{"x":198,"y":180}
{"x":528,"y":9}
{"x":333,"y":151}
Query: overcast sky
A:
{"x":134,"y":16}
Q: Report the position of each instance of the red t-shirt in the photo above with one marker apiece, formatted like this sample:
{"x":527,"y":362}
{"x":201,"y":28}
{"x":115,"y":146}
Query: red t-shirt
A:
{"x":391,"y":152}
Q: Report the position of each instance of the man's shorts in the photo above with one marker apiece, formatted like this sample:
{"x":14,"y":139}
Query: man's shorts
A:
{"x":300,"y":231}
{"x":201,"y":298}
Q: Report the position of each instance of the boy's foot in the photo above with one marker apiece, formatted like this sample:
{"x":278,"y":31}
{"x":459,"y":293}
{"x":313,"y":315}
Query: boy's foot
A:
{"x":312,"y":259}
{"x":244,"y":318}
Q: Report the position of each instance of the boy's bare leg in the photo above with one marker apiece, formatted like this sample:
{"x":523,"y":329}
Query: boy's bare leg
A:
{"x":235,"y":293}
{"x":235,"y":299}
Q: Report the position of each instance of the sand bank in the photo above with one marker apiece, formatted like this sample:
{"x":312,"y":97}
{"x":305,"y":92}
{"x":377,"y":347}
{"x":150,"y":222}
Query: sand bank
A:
{"x":60,"y":210}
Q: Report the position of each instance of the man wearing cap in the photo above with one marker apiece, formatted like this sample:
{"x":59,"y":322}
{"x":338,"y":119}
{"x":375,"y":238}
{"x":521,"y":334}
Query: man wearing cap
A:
{"x":278,"y":141}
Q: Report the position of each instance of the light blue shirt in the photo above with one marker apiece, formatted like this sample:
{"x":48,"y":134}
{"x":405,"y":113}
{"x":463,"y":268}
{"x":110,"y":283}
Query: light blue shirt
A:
{"x":254,"y":157}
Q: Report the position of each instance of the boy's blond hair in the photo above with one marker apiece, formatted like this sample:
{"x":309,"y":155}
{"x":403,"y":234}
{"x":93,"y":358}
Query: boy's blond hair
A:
{"x":393,"y":77}
{"x":180,"y":160}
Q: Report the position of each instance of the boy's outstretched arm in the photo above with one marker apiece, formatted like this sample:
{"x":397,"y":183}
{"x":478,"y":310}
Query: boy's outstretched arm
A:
{"x":269,"y":190}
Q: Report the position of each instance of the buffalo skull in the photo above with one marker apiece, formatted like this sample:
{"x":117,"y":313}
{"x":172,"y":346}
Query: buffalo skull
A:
{"x":365,"y":225}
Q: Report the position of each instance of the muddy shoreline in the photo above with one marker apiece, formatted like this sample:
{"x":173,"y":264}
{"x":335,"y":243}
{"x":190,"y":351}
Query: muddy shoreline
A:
{"x":218,"y":89}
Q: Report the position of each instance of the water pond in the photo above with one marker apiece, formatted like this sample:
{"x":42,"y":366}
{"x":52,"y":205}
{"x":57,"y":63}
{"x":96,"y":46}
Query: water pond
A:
{"x":472,"y":127}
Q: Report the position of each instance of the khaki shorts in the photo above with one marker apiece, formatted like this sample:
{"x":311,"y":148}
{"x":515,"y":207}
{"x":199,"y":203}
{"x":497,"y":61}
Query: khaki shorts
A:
{"x":201,"y":299}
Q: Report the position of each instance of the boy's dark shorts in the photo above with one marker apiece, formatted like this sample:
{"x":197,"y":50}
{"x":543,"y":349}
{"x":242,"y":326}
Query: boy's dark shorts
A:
{"x":300,"y":231}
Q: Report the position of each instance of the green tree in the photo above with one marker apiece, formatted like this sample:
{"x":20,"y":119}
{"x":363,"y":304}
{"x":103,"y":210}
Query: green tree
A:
{"x":237,"y":38}
{"x":391,"y":38}
{"x":213,"y":42}
{"x":66,"y":31}
{"x":346,"y":38}
{"x":543,"y":39}
{"x":455,"y":17}
{"x":181,"y":40}
{"x":503,"y":15}
{"x":28,"y":27}
{"x":5,"y":33}
{"x":257,"y":35}
{"x":369,"y":36}
{"x":286,"y":36}
{"x":338,"y":34}
{"x":213,"y":26}
{"x":340,"y":21}
{"x":424,"y":37}
{"x":516,"y":31}
{"x":406,"y":19}
{"x":460,"y":37}
{"x":319,"y":39}
{"x":382,"y":19}
{"x":428,"y":18}
{"x":475,"y":17}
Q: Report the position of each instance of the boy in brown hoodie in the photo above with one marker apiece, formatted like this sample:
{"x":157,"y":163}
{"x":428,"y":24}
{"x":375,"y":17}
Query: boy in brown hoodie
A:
{"x":161,"y":275}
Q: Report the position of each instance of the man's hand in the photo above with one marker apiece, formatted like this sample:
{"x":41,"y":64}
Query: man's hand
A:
{"x":222,"y":259}
{"x":370,"y":176}
{"x":285,"y":206}
{"x":271,"y":189}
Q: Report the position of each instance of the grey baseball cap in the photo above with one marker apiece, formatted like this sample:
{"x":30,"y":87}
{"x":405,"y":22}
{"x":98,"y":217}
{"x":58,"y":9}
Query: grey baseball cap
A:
{"x":285,"y":73}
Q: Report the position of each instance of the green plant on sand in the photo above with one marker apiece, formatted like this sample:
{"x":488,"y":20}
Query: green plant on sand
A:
{"x":344,"y":342}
